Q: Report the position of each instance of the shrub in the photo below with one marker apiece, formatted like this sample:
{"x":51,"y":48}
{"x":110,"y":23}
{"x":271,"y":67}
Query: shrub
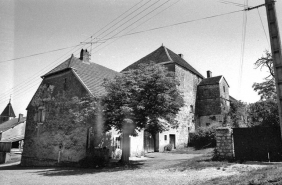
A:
{"x":93,"y":162}
{"x":168,"y":147}
{"x":204,"y":137}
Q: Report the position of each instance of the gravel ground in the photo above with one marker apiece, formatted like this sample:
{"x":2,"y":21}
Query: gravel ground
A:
{"x":152,"y":169}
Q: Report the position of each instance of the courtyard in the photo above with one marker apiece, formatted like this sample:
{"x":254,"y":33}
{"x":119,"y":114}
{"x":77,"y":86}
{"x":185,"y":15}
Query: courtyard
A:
{"x":186,"y":166}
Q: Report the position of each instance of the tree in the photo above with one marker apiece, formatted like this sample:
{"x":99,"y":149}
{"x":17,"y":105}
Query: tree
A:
{"x":264,"y":113}
{"x":267,"y":88}
{"x":143,"y":98}
{"x":237,"y":113}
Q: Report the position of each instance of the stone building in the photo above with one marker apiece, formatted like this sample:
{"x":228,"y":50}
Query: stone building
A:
{"x":212,"y":102}
{"x":76,"y":77}
{"x":189,"y":78}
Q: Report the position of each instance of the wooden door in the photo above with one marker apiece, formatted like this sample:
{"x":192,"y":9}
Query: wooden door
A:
{"x":172,"y":140}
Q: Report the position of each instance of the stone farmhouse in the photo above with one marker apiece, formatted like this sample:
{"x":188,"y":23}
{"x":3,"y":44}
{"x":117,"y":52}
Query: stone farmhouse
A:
{"x":206,"y":101}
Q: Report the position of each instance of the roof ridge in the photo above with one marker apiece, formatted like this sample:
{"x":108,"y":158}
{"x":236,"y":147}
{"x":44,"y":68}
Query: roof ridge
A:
{"x":167,"y":54}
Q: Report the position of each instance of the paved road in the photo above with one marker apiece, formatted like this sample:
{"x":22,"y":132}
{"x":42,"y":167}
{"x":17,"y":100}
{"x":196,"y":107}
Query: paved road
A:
{"x":148,"y":170}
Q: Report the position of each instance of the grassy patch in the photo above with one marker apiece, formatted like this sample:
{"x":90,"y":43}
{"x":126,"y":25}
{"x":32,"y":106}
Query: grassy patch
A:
{"x":191,"y":150}
{"x":198,"y":163}
{"x":268,"y":175}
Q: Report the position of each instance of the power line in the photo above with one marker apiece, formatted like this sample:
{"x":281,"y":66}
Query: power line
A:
{"x":137,"y":26}
{"x":130,"y":20}
{"x":80,"y":44}
{"x":244,"y":27}
{"x":267,"y":40}
{"x":137,"y":20}
{"x":176,"y":24}
{"x":42,"y":53}
{"x":209,"y":17}
{"x":232,"y":3}
{"x":134,"y":17}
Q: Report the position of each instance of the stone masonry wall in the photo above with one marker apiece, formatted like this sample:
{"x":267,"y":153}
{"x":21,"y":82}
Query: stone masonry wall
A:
{"x":224,"y":143}
{"x":188,"y":88}
{"x":44,"y":147}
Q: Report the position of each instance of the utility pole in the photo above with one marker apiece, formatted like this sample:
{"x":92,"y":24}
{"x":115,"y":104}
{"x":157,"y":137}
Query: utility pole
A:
{"x":275,"y":43}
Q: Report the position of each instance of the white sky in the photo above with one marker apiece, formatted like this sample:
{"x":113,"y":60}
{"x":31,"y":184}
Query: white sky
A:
{"x":33,"y":26}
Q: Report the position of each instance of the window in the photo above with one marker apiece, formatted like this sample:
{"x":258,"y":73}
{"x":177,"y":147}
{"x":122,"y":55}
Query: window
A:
{"x":165,"y":137}
{"x":65,"y":84}
{"x":208,"y":124}
{"x":223,"y":88}
{"x":40,"y":115}
{"x":191,"y":109}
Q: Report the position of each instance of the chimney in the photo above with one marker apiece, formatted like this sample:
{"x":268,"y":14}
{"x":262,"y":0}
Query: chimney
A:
{"x":20,"y":117}
{"x":85,"y":56}
{"x":181,"y":55}
{"x":209,"y":74}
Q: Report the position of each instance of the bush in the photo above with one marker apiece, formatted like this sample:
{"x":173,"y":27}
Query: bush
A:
{"x":168,"y":147}
{"x":93,"y":162}
{"x":204,"y":137}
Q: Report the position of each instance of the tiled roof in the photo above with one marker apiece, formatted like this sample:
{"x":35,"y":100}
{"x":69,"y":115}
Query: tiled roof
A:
{"x":11,"y":123}
{"x":210,"y":81}
{"x":91,"y":75}
{"x":8,"y":111}
{"x":162,"y":54}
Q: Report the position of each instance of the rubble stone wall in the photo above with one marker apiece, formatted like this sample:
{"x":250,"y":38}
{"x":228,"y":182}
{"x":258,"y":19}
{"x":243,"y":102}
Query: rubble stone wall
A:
{"x":224,"y":143}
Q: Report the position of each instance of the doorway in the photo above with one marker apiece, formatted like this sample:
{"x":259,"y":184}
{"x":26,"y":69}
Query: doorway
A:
{"x":172,"y":140}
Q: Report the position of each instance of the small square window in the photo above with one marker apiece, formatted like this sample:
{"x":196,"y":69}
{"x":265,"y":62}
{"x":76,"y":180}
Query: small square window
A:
{"x":208,"y":124}
{"x":40,"y":115}
{"x":191,"y":109}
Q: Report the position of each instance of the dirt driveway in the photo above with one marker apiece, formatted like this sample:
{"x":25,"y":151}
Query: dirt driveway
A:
{"x":156,"y":168}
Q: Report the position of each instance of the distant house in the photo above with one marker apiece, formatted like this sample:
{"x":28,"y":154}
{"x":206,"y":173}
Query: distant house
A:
{"x":12,"y":133}
{"x":7,"y":114}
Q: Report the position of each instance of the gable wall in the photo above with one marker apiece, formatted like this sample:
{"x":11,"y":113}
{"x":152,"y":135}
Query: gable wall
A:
{"x":208,"y":100}
{"x":41,"y":145}
{"x":188,"y":87}
{"x":212,"y":103}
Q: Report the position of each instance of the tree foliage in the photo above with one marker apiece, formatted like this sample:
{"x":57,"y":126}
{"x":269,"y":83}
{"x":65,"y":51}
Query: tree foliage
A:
{"x":203,"y":137}
{"x":146,"y":97}
{"x":237,"y":113}
{"x":266,"y":89}
{"x":264,"y":113}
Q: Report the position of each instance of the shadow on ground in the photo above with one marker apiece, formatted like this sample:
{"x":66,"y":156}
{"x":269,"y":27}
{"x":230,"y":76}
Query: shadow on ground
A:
{"x":66,"y":171}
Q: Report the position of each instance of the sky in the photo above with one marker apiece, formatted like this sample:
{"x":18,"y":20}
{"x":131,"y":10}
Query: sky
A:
{"x":30,"y":27}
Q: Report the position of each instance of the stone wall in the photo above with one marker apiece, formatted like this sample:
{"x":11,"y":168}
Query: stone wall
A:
{"x":45,"y":145}
{"x":224,"y":143}
{"x":185,"y":117}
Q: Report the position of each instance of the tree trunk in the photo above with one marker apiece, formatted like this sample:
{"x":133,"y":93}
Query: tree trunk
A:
{"x":125,"y":148}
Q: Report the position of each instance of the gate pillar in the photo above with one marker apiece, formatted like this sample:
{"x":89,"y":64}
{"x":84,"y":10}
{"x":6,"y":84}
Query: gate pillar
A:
{"x":224,"y":143}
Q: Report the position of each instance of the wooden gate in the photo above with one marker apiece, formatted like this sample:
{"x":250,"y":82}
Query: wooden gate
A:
{"x":148,"y":142}
{"x":257,"y":144}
